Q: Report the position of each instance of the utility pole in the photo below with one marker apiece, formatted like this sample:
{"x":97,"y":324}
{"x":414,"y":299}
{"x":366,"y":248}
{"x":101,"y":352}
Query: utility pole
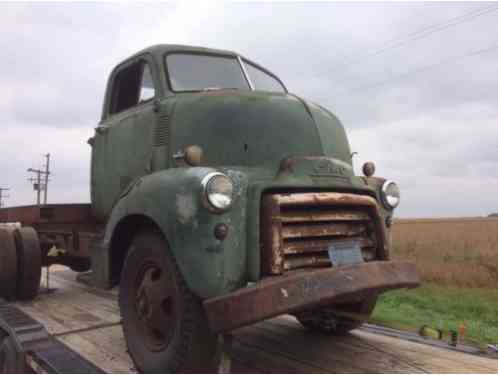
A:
{"x":3,"y":196}
{"x":47,"y":172}
{"x":38,"y":185}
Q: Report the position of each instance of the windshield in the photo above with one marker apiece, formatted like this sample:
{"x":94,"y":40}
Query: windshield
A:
{"x":262,"y":80}
{"x":196,"y":72}
{"x":193,"y":72}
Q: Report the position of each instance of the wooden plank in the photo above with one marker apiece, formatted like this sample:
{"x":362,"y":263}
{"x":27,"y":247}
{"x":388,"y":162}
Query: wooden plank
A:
{"x":327,"y":352}
{"x":71,"y":306}
{"x":269,"y":362}
{"x":426,"y":357}
{"x":105,"y":347}
{"x":64,"y":311}
{"x":433,"y":359}
{"x":274,"y":346}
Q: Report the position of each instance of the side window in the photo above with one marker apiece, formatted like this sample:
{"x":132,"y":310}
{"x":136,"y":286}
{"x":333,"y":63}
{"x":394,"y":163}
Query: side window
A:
{"x":132,"y":85}
{"x":147,"y":90}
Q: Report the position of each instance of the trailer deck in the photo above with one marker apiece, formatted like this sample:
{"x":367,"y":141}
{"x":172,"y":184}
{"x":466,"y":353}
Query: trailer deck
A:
{"x":88,"y":321}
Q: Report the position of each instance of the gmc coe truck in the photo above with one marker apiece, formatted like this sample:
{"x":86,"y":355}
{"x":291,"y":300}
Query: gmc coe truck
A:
{"x":218,"y":199}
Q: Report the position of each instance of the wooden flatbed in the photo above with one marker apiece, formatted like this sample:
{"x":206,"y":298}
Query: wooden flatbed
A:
{"x":88,"y":321}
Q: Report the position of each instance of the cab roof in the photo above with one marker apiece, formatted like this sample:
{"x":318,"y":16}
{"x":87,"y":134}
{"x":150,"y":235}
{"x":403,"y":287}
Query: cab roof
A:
{"x":160,"y":49}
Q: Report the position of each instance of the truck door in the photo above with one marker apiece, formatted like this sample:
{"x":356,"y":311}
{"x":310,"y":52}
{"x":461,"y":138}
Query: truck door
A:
{"x":123,"y":142}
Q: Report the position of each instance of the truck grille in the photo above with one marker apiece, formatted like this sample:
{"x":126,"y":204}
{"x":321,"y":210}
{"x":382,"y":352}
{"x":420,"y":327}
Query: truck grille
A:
{"x":297,"y":229}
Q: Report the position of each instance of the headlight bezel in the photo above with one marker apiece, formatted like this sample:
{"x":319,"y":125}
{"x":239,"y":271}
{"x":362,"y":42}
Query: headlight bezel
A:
{"x":207,"y":200}
{"x":384,"y":196}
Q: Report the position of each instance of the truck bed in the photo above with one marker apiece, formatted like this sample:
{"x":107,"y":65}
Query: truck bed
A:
{"x":88,"y":321}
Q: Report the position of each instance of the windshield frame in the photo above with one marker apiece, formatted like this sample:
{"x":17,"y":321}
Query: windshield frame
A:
{"x":240,"y":60}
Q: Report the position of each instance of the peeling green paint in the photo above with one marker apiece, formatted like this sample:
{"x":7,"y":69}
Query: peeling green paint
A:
{"x":244,"y":134}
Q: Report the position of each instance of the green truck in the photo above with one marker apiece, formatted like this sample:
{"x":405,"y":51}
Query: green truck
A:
{"x":218,"y":199}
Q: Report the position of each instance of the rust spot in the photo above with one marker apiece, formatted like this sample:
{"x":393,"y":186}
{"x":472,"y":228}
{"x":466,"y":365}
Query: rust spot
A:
{"x":298,"y":228}
{"x":302,"y":289}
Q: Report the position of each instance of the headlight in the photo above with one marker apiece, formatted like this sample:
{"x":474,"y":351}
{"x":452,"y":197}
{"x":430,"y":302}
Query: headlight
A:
{"x":390,"y":195}
{"x":218,"y":191}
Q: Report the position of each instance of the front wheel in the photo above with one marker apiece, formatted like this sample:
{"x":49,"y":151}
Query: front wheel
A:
{"x":338,"y":319}
{"x":165,"y":326}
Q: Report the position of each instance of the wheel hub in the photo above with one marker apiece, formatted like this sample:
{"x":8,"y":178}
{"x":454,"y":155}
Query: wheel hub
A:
{"x":155,"y":306}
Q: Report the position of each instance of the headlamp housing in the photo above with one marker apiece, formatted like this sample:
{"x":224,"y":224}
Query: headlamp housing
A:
{"x":218,"y":191}
{"x":390,"y":194}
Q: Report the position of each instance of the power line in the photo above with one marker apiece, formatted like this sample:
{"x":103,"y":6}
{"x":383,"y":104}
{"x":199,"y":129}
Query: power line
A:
{"x":416,"y":35}
{"x":422,"y":69}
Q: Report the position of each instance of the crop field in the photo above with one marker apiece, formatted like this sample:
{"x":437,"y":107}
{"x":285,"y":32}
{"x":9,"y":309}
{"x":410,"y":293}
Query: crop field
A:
{"x":458,"y":262}
{"x":450,"y":252}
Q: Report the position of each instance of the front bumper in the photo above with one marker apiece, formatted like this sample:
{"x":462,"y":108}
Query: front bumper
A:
{"x":301,"y":289}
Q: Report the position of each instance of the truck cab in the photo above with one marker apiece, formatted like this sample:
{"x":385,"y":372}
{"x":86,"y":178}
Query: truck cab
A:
{"x":219,"y":199}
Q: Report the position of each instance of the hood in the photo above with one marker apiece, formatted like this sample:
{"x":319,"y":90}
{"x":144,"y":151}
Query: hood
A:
{"x":250,"y":128}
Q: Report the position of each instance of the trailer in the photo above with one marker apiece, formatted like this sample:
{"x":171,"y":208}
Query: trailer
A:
{"x":72,"y":327}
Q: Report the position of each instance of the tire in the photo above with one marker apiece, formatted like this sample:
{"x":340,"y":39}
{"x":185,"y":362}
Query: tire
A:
{"x":79,"y":264}
{"x":338,"y":319}
{"x":29,"y":263}
{"x":8,"y":265}
{"x":164,"y":324}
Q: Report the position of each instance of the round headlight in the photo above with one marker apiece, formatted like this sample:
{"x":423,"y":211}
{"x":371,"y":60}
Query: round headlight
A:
{"x":218,"y":190}
{"x":390,"y":195}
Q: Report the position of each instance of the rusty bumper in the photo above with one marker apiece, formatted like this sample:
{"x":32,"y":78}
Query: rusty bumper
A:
{"x":297,"y":290}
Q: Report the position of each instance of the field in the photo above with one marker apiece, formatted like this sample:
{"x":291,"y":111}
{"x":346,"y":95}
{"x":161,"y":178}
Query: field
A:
{"x":458,"y":262}
{"x":451,"y":252}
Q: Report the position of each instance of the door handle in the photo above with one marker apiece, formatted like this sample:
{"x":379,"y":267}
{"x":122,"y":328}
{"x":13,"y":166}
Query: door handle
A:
{"x":155,"y":105}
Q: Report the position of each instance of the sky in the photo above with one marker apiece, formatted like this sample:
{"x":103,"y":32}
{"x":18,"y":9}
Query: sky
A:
{"x":415,"y":85}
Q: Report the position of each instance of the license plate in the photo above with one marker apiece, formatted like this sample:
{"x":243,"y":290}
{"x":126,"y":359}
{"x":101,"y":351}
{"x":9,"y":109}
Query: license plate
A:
{"x":345,"y":252}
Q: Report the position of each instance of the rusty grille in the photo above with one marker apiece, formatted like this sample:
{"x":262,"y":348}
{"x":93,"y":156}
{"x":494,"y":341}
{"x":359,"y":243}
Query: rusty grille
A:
{"x":297,"y":229}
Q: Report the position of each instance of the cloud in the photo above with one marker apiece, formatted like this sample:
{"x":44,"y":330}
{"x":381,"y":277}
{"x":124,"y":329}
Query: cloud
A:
{"x":23,"y":147}
{"x":425,"y":109}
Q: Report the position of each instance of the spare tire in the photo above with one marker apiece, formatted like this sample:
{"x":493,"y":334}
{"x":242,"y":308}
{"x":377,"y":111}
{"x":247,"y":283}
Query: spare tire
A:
{"x":29,"y":263}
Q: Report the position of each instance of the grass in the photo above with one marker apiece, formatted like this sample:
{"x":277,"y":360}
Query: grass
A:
{"x":442,"y":307}
{"x":458,"y":262}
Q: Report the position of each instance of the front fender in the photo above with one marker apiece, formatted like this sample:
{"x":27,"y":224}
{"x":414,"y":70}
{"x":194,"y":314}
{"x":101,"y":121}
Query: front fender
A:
{"x":172,"y":199}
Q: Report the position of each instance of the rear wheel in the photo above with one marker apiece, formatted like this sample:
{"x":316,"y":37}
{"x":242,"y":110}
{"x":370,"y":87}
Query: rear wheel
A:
{"x":338,"y":319}
{"x":165,"y":326}
{"x":29,"y":261}
{"x":8,"y":265}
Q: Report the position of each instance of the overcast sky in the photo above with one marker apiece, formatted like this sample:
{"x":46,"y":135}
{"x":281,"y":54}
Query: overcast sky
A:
{"x":415,"y":84}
